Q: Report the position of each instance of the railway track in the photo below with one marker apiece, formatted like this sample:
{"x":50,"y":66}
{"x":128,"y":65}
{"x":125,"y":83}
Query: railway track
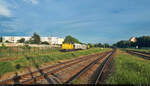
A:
{"x":60,"y":69}
{"x":100,"y":65}
{"x":144,"y":55}
{"x":32,"y":77}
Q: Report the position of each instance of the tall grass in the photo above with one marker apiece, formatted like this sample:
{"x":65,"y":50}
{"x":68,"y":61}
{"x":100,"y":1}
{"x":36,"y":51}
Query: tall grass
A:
{"x":130,"y":70}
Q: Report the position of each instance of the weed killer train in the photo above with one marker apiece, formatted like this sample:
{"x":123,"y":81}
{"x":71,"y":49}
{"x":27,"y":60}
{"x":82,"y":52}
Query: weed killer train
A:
{"x":75,"y":46}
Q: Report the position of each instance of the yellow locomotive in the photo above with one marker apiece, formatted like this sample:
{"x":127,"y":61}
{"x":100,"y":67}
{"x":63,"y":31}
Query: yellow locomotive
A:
{"x":67,"y":46}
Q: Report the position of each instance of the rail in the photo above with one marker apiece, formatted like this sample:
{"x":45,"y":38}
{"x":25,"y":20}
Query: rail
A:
{"x":96,"y":79}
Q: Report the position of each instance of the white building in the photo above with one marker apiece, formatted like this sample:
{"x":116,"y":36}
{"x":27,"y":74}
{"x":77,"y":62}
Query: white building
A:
{"x":60,"y":40}
{"x":56,"y":40}
{"x":133,"y":39}
{"x":43,"y":39}
{"x":14,"y":39}
{"x":51,"y":40}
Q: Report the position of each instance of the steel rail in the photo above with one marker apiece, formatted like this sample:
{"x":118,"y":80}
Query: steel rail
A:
{"x":102,"y":66}
{"x":141,"y":54}
{"x":107,"y":55}
{"x":52,"y":72}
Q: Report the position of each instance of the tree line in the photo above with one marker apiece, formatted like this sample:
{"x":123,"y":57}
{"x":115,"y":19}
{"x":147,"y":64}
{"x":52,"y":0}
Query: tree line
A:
{"x":142,"y":41}
{"x":71,"y":40}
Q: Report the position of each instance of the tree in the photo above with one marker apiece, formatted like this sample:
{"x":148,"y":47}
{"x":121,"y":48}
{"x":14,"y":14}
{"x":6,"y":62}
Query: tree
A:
{"x":91,"y":45}
{"x":143,"y":41}
{"x":70,"y":39}
{"x":7,"y":41}
{"x":45,"y":42}
{"x":106,"y":45}
{"x":123,"y":44}
{"x":98,"y":45}
{"x":22,"y":40}
{"x":0,"y":39}
{"x":35,"y":39}
{"x":3,"y":46}
{"x":26,"y":47}
{"x":27,"y":42}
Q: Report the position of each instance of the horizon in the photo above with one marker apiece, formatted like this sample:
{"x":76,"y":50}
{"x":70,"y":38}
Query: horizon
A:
{"x":88,"y":21}
{"x":79,"y":40}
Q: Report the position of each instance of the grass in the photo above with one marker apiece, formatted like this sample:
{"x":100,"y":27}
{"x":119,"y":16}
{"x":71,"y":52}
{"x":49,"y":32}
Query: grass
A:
{"x":41,"y":58}
{"x":77,"y":81}
{"x":130,"y":70}
{"x":6,"y":67}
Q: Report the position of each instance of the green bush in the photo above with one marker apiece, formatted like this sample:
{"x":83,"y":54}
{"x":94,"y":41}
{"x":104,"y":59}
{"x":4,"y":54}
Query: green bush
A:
{"x":3,"y":46}
{"x":26,"y":47}
{"x":46,"y":43}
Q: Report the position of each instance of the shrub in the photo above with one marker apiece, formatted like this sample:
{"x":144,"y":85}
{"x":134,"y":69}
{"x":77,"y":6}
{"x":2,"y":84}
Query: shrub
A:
{"x":45,"y":43}
{"x":3,"y":46}
{"x":26,"y":46}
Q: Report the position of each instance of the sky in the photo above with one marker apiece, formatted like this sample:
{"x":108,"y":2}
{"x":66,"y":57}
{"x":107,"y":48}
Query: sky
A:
{"x":90,"y":21}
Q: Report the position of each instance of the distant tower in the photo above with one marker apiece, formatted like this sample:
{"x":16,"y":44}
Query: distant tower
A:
{"x":133,"y":39}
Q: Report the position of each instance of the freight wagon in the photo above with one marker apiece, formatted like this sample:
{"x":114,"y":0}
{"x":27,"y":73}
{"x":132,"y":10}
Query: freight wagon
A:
{"x":71,"y":47}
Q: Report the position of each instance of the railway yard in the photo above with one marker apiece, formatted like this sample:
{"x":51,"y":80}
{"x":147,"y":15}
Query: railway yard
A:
{"x":99,"y":66}
{"x":75,"y":42}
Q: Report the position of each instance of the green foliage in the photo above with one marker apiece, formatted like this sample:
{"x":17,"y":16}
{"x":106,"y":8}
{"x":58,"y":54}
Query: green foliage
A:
{"x":22,"y":40}
{"x":35,"y":39}
{"x":70,"y":39}
{"x":130,"y":70}
{"x":45,"y":42}
{"x":143,"y":41}
{"x":18,"y":66}
{"x":106,"y":45}
{"x":27,"y":42}
{"x":6,"y":67}
{"x":26,"y":47}
{"x":3,"y":46}
{"x":123,"y":44}
{"x":7,"y":41}
{"x":98,"y":45}
{"x":91,"y":45}
{"x":1,"y":39}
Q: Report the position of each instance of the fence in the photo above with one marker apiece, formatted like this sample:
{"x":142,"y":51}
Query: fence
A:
{"x":17,"y":51}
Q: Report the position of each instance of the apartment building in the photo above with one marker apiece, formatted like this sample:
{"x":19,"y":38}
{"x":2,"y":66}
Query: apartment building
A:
{"x":56,"y":40}
{"x":51,"y":40}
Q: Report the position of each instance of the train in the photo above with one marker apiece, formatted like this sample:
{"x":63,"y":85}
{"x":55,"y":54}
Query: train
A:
{"x":75,"y":46}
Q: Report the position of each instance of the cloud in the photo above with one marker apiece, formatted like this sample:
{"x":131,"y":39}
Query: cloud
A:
{"x":4,"y":11}
{"x":32,"y":1}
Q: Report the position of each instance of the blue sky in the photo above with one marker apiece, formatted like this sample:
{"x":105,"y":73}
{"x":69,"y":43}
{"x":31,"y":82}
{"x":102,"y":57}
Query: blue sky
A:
{"x":105,"y":21}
